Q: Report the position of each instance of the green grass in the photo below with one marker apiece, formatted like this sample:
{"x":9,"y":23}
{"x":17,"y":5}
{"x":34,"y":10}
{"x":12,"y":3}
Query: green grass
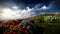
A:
{"x":50,"y":28}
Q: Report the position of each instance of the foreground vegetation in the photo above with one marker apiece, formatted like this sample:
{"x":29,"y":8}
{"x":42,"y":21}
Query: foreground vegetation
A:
{"x":51,"y":24}
{"x":45,"y":24}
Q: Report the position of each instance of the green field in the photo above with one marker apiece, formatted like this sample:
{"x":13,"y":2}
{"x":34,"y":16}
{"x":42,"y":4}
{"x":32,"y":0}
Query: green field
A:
{"x":50,"y":28}
{"x":51,"y":25}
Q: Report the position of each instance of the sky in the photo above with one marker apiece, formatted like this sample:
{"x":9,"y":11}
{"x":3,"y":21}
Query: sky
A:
{"x":21,"y":9}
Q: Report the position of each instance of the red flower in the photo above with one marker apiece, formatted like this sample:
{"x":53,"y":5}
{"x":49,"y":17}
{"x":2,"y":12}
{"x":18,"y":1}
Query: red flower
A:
{"x":13,"y":26}
{"x":14,"y":32}
{"x":20,"y":27}
{"x":8,"y":32}
{"x":25,"y":31}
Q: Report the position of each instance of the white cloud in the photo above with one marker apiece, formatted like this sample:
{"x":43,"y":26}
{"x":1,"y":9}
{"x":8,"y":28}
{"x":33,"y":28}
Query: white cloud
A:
{"x":17,"y":13}
{"x":15,"y":7}
{"x":8,"y":13}
{"x":44,"y":8}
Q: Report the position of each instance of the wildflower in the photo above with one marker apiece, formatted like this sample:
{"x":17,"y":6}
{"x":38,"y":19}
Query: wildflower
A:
{"x":8,"y":32}
{"x":20,"y":28}
{"x":13,"y":27}
{"x":26,"y":31}
{"x":14,"y":32}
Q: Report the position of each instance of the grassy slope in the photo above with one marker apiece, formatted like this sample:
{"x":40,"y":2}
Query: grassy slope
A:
{"x":50,"y":28}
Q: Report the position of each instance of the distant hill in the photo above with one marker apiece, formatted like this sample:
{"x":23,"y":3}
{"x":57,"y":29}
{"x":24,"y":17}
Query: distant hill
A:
{"x":42,"y":15}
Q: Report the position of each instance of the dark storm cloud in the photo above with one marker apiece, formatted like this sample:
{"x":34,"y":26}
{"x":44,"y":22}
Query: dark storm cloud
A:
{"x":55,"y":6}
{"x":26,"y":3}
{"x":4,"y":1}
{"x":32,"y":3}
